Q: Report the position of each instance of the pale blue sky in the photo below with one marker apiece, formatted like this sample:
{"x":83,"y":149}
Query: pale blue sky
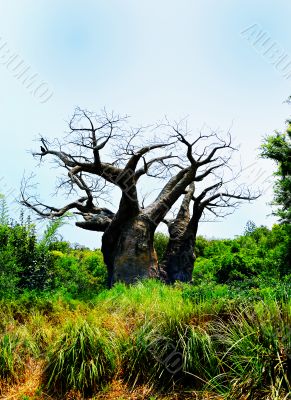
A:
{"x":146,"y":59}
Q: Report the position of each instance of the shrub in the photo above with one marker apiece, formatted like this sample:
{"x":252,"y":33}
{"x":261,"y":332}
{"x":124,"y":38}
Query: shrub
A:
{"x":9,"y":271}
{"x":259,"y":253}
{"x":80,"y":275}
{"x":200,"y":246}
{"x":160,"y":244}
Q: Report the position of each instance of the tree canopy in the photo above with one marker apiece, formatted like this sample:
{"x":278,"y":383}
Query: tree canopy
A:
{"x":277,"y":147}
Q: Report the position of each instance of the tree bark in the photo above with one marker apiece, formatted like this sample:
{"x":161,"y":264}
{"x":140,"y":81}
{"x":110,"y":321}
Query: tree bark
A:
{"x":129,"y":252}
{"x":179,"y":258}
{"x":178,"y":262}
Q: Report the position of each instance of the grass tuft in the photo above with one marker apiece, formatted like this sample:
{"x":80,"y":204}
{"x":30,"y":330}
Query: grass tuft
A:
{"x":82,"y":359}
{"x":11,"y":362}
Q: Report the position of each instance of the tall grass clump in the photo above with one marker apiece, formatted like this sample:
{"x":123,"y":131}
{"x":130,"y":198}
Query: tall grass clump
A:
{"x":256,"y":357}
{"x":150,"y":357}
{"x":178,"y":355}
{"x":82,"y":359}
{"x":15,"y":349}
{"x":200,"y":361}
{"x":10,"y":362}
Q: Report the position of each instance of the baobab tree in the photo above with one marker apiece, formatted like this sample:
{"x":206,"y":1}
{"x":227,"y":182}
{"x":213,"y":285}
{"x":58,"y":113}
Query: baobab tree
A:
{"x":179,"y":258}
{"x":100,"y":154}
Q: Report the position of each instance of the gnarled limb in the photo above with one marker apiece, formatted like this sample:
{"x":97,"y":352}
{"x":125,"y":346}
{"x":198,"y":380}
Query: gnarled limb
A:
{"x":101,"y":153}
{"x":179,"y":258}
{"x":202,"y":165}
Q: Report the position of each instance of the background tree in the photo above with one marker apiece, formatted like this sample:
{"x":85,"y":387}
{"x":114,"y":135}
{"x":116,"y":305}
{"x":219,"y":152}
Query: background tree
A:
{"x":278,"y":148}
{"x":102,"y":153}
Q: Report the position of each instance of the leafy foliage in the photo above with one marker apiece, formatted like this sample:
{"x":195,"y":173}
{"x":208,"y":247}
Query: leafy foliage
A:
{"x":258,"y":255}
{"x":29,"y":264}
{"x":160,"y":243}
{"x":278,"y":148}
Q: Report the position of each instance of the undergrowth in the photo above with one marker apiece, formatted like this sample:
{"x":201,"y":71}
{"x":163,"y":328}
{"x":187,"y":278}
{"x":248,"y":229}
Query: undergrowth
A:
{"x":167,"y":338}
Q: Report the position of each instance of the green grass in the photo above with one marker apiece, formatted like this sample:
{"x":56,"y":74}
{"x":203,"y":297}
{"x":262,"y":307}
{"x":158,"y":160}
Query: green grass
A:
{"x":15,"y":349}
{"x":256,"y":349}
{"x":10,"y":363}
{"x":200,"y":361}
{"x":83,"y":358}
{"x":168,"y":338}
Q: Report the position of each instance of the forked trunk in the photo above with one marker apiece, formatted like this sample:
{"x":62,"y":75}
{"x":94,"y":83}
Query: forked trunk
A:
{"x":129,"y":252}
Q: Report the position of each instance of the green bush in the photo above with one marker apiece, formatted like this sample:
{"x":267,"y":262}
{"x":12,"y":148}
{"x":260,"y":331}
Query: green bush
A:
{"x":24,"y":261}
{"x":79,"y":273}
{"x":45,"y":265}
{"x":260,"y":253}
{"x":9,"y":274}
{"x":160,"y":243}
{"x":200,"y":246}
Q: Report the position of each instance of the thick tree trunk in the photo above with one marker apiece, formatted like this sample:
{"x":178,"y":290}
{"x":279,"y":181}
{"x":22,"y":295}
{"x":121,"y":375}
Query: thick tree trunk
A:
{"x":179,"y":259}
{"x":129,"y":252}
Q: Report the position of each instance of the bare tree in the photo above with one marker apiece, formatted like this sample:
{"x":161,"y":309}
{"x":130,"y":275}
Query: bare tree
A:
{"x":216,"y":199}
{"x":101,"y":153}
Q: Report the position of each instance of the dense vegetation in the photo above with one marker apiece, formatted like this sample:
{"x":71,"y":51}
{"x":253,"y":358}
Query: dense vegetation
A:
{"x":227,"y":335}
{"x":259,"y":258}
{"x":62,"y":333}
{"x":29,"y":265}
{"x":150,"y":336}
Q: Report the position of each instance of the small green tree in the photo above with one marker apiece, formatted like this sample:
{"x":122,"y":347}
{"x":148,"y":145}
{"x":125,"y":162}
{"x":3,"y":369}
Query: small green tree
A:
{"x":278,"y":148}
